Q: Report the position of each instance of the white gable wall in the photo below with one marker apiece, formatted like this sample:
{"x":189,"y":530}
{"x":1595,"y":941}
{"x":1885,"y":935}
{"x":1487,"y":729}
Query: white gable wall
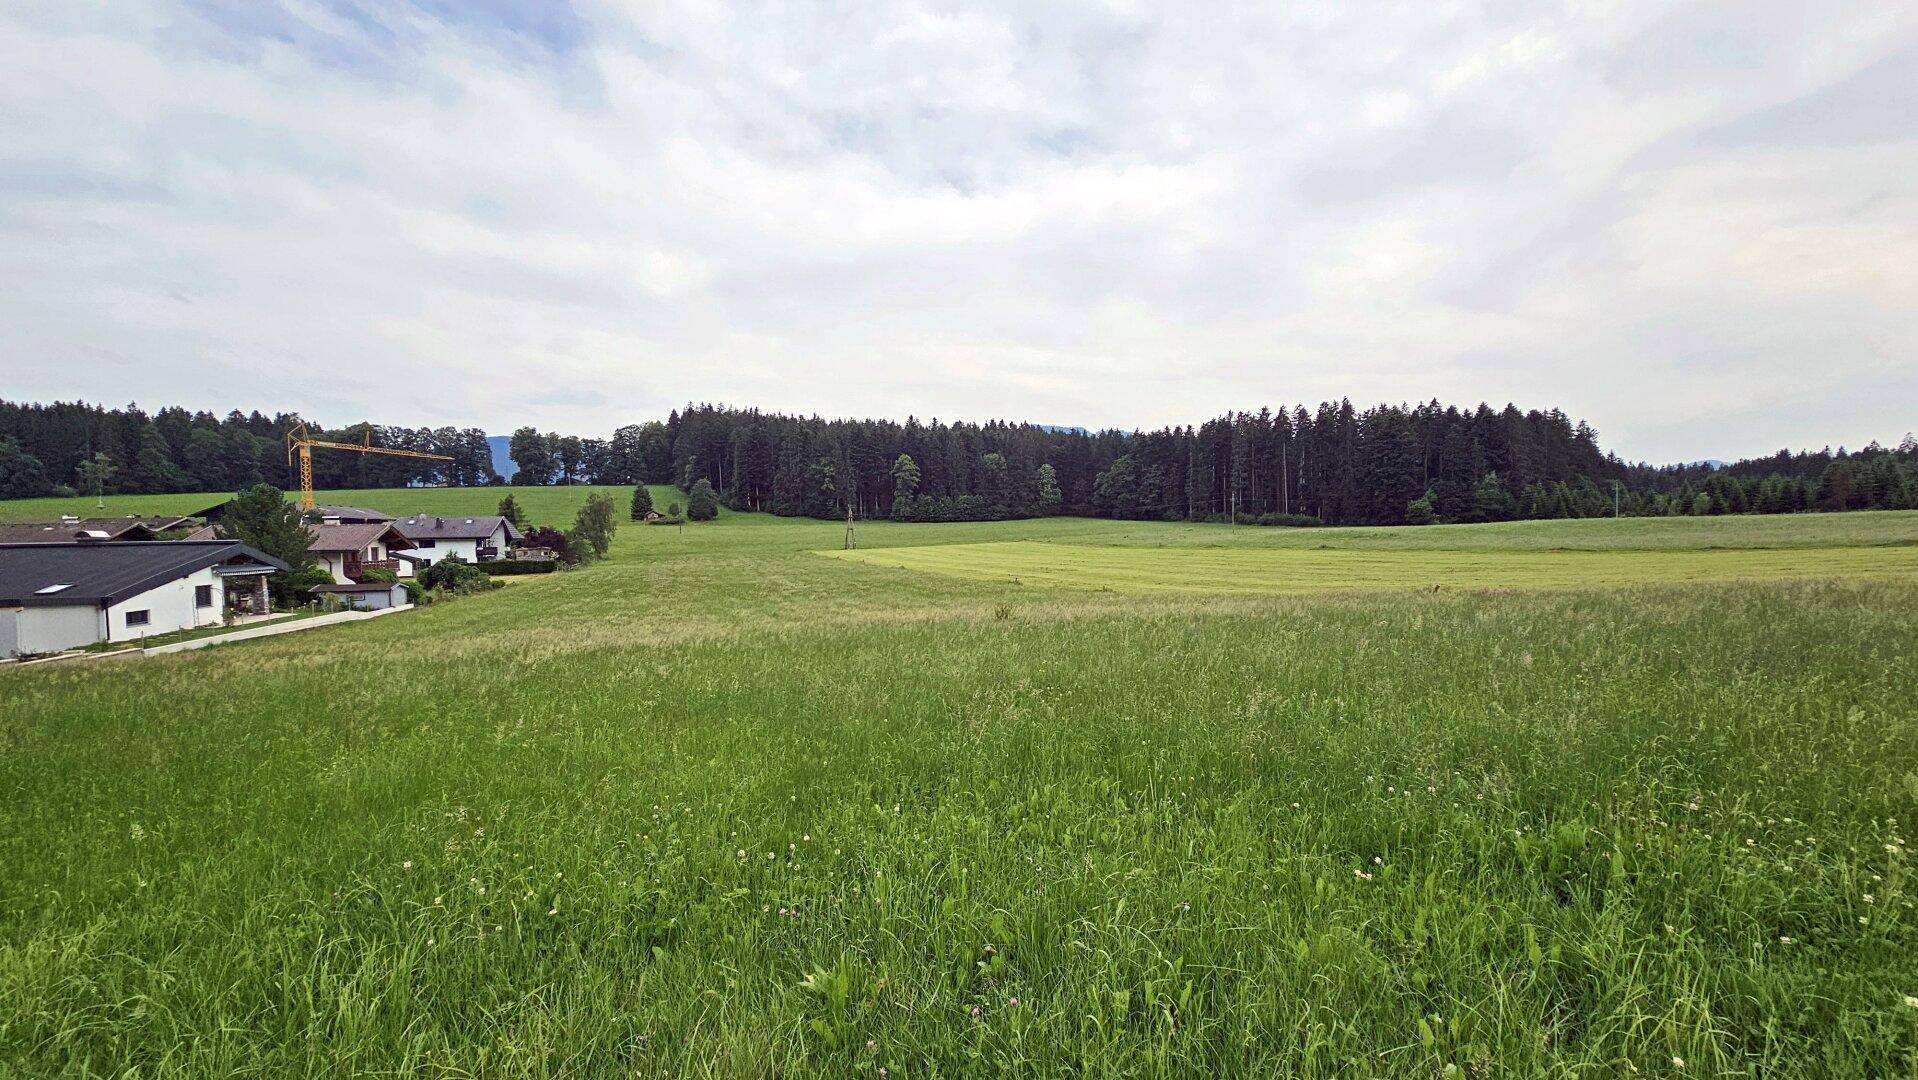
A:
{"x":49,"y":628}
{"x":334,"y":563}
{"x":465,"y":549}
{"x":170,"y":607}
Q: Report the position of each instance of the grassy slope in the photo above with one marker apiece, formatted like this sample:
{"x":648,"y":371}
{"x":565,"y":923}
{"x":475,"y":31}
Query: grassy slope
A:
{"x":1589,"y":819}
{"x":556,"y":505}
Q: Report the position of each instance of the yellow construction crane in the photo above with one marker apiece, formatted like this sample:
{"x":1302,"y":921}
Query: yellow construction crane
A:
{"x":300,"y":442}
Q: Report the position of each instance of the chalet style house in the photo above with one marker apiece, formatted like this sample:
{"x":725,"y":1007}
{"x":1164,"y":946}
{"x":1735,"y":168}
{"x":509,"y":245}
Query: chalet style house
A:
{"x":347,"y":551}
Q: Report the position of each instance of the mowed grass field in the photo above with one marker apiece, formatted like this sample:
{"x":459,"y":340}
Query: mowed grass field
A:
{"x":725,"y":806}
{"x":1282,"y":570}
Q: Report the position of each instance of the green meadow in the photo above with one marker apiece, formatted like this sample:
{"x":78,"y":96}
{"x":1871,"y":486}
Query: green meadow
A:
{"x":1061,"y":797}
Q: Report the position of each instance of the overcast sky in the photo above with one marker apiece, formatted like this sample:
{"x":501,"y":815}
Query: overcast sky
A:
{"x":1694,"y":225}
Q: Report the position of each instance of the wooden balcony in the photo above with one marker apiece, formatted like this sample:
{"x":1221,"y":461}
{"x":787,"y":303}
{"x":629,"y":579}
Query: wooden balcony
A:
{"x":356,"y":568}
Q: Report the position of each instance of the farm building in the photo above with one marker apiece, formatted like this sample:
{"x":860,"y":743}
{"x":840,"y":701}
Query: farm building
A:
{"x":57,"y":596}
{"x":348,"y":551}
{"x":475,"y":539}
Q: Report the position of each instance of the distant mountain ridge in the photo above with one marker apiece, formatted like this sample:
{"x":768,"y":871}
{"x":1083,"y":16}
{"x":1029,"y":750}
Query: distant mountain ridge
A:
{"x":502,"y":460}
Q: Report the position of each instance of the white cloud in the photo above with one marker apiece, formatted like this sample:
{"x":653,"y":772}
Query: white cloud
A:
{"x":1692,"y":224}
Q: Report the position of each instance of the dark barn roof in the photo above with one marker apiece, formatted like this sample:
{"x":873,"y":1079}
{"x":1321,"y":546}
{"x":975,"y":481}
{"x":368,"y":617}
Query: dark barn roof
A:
{"x":109,"y":571}
{"x":345,"y":515}
{"x":349,"y":515}
{"x":80,"y":530}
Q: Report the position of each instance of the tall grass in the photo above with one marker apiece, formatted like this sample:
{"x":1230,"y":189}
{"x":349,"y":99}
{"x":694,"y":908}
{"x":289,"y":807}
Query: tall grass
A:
{"x":723,"y":807}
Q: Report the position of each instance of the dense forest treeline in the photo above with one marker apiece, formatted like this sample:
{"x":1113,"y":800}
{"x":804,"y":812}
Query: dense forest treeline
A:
{"x":1384,"y":465}
{"x":80,"y":448}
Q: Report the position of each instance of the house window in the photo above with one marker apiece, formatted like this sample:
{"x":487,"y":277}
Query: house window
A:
{"x":203,"y":596}
{"x":139,"y":618}
{"x":425,"y":543}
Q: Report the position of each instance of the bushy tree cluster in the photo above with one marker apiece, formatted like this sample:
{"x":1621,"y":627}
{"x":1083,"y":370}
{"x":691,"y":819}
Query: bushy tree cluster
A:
{"x":261,"y":517}
{"x":636,"y":454}
{"x":453,"y":574}
{"x":593,"y":527}
{"x":1874,"y":478}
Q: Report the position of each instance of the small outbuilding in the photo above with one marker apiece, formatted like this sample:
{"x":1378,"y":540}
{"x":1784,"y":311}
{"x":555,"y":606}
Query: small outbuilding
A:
{"x":56,"y":596}
{"x":367,"y":595}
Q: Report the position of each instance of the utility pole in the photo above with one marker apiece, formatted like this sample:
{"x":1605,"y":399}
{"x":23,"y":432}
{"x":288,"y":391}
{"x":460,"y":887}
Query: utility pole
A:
{"x":1285,"y":482}
{"x":850,"y":543}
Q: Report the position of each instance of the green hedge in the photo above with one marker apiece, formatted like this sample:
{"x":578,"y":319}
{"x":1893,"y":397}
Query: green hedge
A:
{"x":508,"y":567}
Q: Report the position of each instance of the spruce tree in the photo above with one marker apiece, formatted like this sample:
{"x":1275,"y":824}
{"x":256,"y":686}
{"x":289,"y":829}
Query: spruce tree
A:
{"x":1049,"y":496}
{"x":642,"y":502}
{"x":510,"y":510}
{"x":702,"y":502}
{"x":905,"y":485}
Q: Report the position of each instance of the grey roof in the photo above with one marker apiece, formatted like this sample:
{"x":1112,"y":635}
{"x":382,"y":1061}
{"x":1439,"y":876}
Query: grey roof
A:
{"x":350,"y":515}
{"x":354,"y":537}
{"x":355,"y":515}
{"x":110,"y":571}
{"x":453,"y":527}
{"x":76,"y":530}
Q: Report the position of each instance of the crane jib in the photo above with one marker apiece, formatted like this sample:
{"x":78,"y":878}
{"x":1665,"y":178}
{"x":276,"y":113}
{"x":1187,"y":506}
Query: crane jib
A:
{"x":298,"y":442}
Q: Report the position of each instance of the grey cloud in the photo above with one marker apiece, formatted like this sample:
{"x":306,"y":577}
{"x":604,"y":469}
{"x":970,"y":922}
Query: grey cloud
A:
{"x":1108,"y":215}
{"x":1876,"y":105}
{"x":1449,"y":149}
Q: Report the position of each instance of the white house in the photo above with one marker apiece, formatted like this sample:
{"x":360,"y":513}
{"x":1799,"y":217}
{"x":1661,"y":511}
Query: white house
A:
{"x":60,"y":595}
{"x":480,"y":538}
